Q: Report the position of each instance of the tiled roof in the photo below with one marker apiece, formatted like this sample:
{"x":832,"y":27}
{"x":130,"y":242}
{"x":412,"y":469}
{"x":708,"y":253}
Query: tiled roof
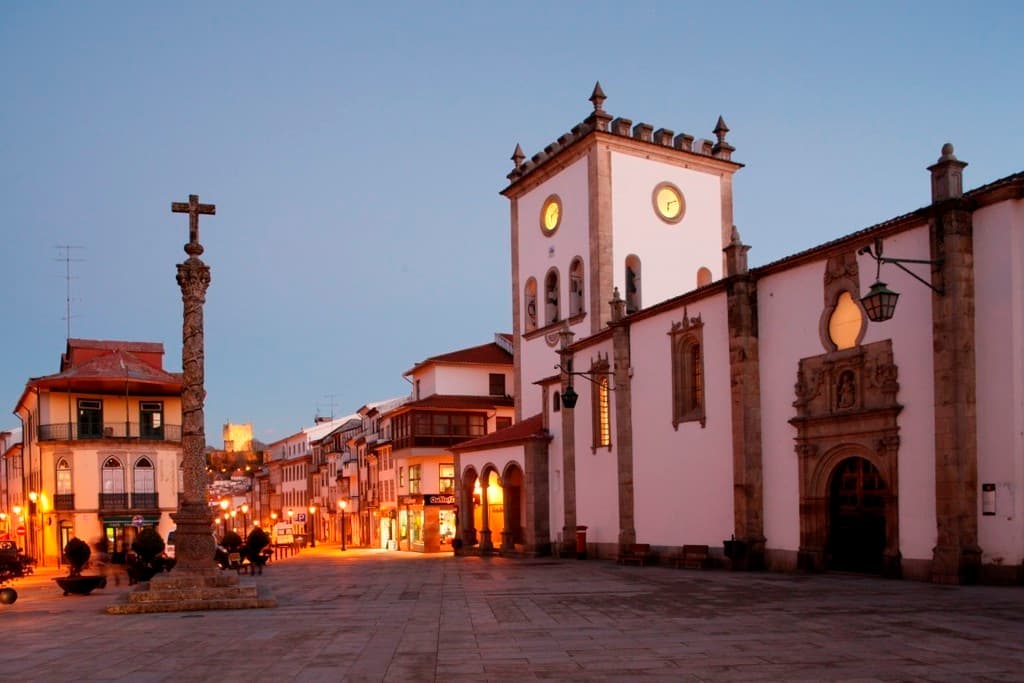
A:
{"x":525,"y":430}
{"x":455,"y":402}
{"x":485,"y":354}
{"x":114,"y":368}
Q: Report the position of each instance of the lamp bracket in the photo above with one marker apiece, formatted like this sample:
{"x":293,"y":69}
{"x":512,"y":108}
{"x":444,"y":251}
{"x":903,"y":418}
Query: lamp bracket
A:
{"x":589,"y":376}
{"x":876,"y":254}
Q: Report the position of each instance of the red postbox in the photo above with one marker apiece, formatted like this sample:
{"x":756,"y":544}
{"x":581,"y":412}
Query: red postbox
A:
{"x":581,"y":543}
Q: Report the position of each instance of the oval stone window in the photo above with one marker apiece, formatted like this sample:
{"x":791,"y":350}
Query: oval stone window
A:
{"x":845,"y":323}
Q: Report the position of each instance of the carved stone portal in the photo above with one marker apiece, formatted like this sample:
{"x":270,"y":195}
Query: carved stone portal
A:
{"x":846,"y":407}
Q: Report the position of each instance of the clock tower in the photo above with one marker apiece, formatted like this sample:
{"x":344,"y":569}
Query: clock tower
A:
{"x":610,"y":205}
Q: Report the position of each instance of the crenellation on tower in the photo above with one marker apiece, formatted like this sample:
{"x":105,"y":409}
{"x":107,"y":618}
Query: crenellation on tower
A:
{"x":602,"y":122}
{"x":683,"y":142}
{"x":644,"y":132}
{"x":663,"y":137}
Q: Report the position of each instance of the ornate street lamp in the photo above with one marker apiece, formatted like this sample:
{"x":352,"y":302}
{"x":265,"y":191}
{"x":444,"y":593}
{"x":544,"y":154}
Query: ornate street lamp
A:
{"x":880,"y":301}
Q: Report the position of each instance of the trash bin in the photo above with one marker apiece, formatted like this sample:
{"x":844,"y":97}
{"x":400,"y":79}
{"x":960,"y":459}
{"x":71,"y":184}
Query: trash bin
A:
{"x":581,"y":543}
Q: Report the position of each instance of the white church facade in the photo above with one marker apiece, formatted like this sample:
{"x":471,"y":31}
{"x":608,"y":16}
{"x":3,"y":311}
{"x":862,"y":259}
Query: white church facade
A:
{"x":669,"y":395}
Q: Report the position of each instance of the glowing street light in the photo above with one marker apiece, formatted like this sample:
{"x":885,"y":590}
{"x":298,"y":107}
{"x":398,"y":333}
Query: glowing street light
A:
{"x":341,"y":507}
{"x":312,"y":525}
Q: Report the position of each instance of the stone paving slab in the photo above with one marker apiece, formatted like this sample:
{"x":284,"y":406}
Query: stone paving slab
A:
{"x":366,"y":615}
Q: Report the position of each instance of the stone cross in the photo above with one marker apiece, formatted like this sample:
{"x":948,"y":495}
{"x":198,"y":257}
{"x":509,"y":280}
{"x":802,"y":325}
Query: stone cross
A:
{"x":193,"y":208}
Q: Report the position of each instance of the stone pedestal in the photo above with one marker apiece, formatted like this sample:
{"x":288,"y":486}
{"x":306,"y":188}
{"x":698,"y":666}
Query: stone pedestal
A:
{"x":186,"y":592}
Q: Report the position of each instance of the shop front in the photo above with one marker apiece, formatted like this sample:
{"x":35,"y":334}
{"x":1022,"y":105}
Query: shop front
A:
{"x":121,"y":530}
{"x":426,"y":522}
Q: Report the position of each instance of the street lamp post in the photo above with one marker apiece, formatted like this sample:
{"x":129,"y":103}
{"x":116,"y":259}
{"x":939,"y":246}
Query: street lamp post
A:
{"x":341,"y":507}
{"x":245,"y":521}
{"x":312,"y":525}
{"x":234,"y":513}
{"x":224,"y":510}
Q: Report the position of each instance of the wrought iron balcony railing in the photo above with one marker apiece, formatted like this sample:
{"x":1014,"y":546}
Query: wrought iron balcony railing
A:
{"x":73,"y":431}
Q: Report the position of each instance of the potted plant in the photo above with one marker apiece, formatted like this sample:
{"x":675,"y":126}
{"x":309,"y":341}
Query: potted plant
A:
{"x":146,"y":558}
{"x":78,"y":552}
{"x":255,"y":548}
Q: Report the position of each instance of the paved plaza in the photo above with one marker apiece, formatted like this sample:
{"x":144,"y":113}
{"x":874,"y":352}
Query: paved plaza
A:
{"x":386,"y":616}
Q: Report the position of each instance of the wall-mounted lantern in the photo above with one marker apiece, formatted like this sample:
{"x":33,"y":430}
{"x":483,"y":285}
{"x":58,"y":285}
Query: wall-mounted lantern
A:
{"x":880,"y":301}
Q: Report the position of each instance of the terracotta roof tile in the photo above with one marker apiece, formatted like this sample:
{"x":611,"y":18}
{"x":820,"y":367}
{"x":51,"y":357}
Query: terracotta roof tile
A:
{"x":485,"y":354}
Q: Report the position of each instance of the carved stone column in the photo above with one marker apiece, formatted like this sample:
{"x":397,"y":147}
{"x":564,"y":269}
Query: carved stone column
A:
{"x":194,"y":547}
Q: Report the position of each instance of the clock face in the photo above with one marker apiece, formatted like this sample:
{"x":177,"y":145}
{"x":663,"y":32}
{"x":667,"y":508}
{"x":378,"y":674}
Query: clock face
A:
{"x":668,"y":202}
{"x":551,"y":214}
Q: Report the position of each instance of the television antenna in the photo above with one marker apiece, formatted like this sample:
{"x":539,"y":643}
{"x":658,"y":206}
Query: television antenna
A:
{"x":64,"y":253}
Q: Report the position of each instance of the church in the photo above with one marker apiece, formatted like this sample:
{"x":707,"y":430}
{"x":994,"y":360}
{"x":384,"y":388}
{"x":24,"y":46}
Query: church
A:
{"x":857,"y":406}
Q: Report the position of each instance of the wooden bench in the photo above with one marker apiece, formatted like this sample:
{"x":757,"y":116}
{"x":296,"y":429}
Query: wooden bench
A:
{"x":693,"y":557}
{"x":640,"y":553}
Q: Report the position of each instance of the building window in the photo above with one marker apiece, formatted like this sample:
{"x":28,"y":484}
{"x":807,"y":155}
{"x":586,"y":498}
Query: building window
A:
{"x":113,"y":494}
{"x":602,"y":418}
{"x":703,"y":276}
{"x":502,"y":423}
{"x":552,"y":312}
{"x":844,"y":325}
{"x":688,"y":399}
{"x":63,"y":477}
{"x":90,"y":419}
{"x":446,"y":478}
{"x":401,"y":476}
{"x":497,"y":383}
{"x":151,"y":420}
{"x":414,"y":478}
{"x":632,"y":284}
{"x":144,"y":489}
{"x":531,"y":304}
{"x":556,"y":402}
{"x":576,"y":287}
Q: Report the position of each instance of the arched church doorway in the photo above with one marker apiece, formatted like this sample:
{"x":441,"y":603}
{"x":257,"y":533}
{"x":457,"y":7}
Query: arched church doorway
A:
{"x":512,"y":485}
{"x":857,"y":522}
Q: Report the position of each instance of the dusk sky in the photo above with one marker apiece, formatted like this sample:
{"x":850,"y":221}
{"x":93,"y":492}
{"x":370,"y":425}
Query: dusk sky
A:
{"x":355,"y":153}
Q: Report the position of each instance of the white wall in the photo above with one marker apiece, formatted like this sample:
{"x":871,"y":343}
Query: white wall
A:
{"x":461,"y":380}
{"x":683,"y":479}
{"x":670,"y":254}
{"x":999,"y":345}
{"x":790,"y":306}
{"x":538,"y":253}
{"x":597,"y":494}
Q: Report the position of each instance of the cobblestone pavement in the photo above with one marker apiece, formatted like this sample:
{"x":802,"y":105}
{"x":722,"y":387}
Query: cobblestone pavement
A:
{"x":385,"y":616}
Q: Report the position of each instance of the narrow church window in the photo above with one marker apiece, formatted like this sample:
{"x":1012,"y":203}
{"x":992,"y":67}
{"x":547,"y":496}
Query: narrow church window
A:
{"x":602,"y":419}
{"x":556,"y":402}
{"x":688,"y":393}
{"x":632,"y":283}
{"x":551,"y":308}
{"x":703,"y":276}
{"x":531,"y":305}
{"x":576,"y":287}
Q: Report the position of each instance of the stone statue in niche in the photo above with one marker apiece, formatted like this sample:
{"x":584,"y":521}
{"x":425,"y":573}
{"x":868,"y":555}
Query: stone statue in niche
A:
{"x":846,"y":391}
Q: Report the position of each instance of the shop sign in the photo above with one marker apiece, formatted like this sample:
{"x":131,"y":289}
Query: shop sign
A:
{"x":412,"y":499}
{"x":439,"y":499}
{"x":138,"y":521}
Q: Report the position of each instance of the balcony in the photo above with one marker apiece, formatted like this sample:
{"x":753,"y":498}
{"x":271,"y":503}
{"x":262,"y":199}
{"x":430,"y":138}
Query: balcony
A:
{"x":433,"y":441}
{"x":64,"y":501}
{"x":119,"y":501}
{"x":111,"y":430}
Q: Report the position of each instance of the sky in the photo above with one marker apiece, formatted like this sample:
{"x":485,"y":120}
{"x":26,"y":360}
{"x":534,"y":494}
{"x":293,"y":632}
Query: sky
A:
{"x":356,"y":151}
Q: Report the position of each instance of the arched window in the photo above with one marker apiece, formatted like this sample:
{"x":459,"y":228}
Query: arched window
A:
{"x":703,"y":276}
{"x":531,"y":304}
{"x":688,"y":397}
{"x":576,"y":287}
{"x":113,"y":495}
{"x":145,"y":479}
{"x":552,"y":312}
{"x":63,"y":477}
{"x":632,"y":283}
{"x":144,"y":492}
